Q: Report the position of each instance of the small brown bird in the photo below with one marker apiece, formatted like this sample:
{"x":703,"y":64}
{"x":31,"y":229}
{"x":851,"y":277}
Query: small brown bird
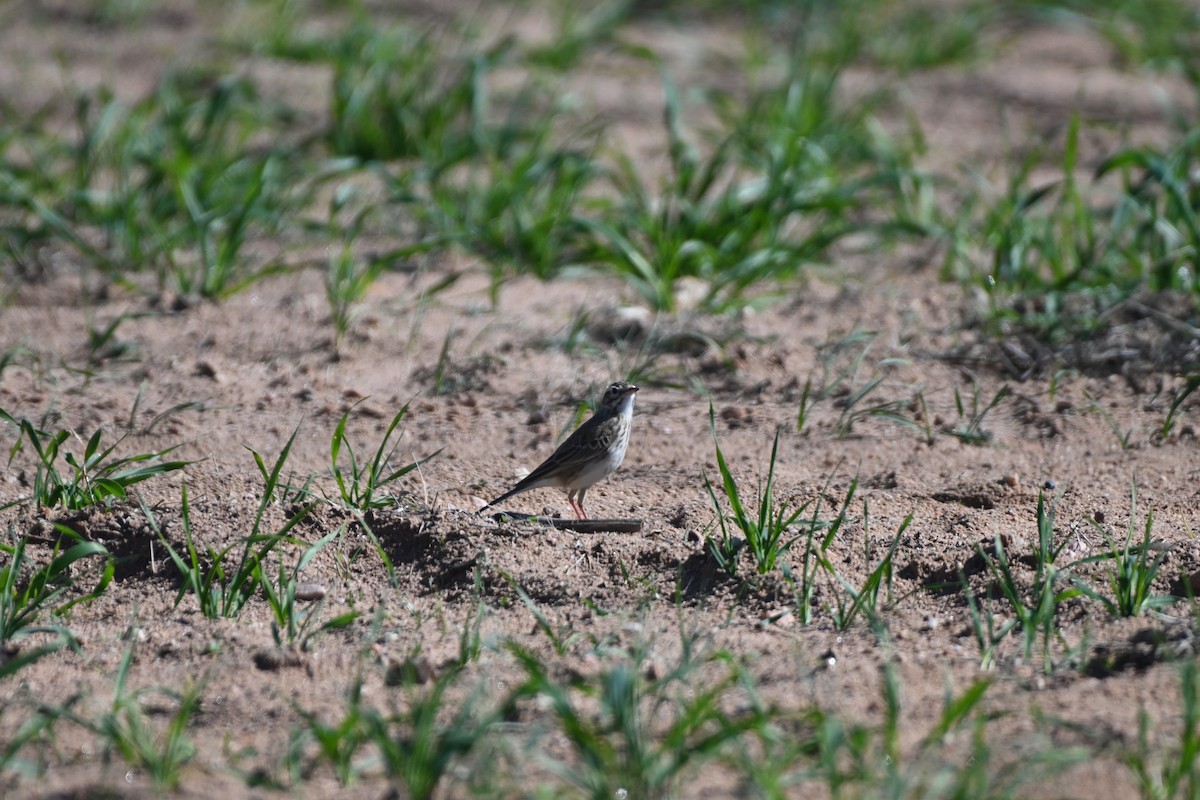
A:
{"x":590,"y":454}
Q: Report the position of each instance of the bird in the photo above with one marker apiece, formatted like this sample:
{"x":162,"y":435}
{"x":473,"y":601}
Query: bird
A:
{"x":590,"y":454}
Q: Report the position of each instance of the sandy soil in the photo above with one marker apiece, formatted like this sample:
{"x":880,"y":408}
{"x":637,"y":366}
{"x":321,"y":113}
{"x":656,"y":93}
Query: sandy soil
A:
{"x":260,"y":365}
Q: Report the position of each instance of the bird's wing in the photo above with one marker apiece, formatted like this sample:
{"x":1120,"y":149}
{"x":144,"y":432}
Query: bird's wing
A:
{"x":580,"y":449}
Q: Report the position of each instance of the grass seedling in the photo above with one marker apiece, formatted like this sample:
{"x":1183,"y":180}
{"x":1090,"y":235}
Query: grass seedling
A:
{"x":26,"y":590}
{"x":221,"y":593}
{"x":518,"y":209}
{"x":1132,"y":570}
{"x":361,"y":487}
{"x":169,"y":185}
{"x":562,"y":642}
{"x":1157,"y":223}
{"x":287,"y":493}
{"x":96,"y":479}
{"x":1191,"y":383}
{"x":931,"y":772}
{"x":793,"y":172}
{"x":348,"y":276}
{"x":850,"y":602}
{"x":918,"y":38}
{"x":337,"y":744}
{"x":841,"y":362}
{"x":292,"y":625}
{"x":712,"y":221}
{"x":1047,"y":551}
{"x":36,"y":732}
{"x":638,"y":736}
{"x":952,"y":759}
{"x":1036,"y":615}
{"x":395,"y":95}
{"x":126,"y":730}
{"x":418,"y":746}
{"x":131,"y":426}
{"x":1064,"y":240}
{"x":219,"y":227}
{"x":1124,"y":439}
{"x":852,"y":413}
{"x":970,"y":428}
{"x":815,"y":750}
{"x":103,"y":344}
{"x":767,"y":530}
{"x":806,"y":399}
{"x":1045,"y":241}
{"x":1162,"y":774}
{"x":579,"y":30}
{"x":988,"y":631}
{"x":346,"y":281}
{"x":441,"y":381}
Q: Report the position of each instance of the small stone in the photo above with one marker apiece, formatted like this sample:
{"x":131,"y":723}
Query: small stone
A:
{"x":777,"y":618}
{"x":205,"y":369}
{"x":1050,"y":486}
{"x":310,"y":591}
{"x":617,"y":325}
{"x":271,"y":659}
{"x":1011,"y":480}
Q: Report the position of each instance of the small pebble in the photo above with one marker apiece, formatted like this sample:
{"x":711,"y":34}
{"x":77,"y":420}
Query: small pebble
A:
{"x":205,"y":369}
{"x":272,"y":659}
{"x":733,"y":413}
{"x":310,"y":591}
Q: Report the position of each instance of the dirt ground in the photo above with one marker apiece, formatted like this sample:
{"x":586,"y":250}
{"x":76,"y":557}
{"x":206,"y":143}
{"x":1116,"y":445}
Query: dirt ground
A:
{"x":259,"y":365}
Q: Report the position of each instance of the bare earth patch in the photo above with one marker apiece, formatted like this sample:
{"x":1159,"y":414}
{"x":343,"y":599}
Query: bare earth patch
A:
{"x":249,"y":371}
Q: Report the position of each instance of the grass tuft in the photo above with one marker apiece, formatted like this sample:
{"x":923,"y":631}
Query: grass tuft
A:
{"x":766,"y":530}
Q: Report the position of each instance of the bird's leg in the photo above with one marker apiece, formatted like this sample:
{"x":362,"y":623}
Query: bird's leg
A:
{"x":577,"y":505}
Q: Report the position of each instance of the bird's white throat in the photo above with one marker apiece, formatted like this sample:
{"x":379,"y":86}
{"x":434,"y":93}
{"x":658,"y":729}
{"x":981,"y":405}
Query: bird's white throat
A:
{"x":626,"y":406}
